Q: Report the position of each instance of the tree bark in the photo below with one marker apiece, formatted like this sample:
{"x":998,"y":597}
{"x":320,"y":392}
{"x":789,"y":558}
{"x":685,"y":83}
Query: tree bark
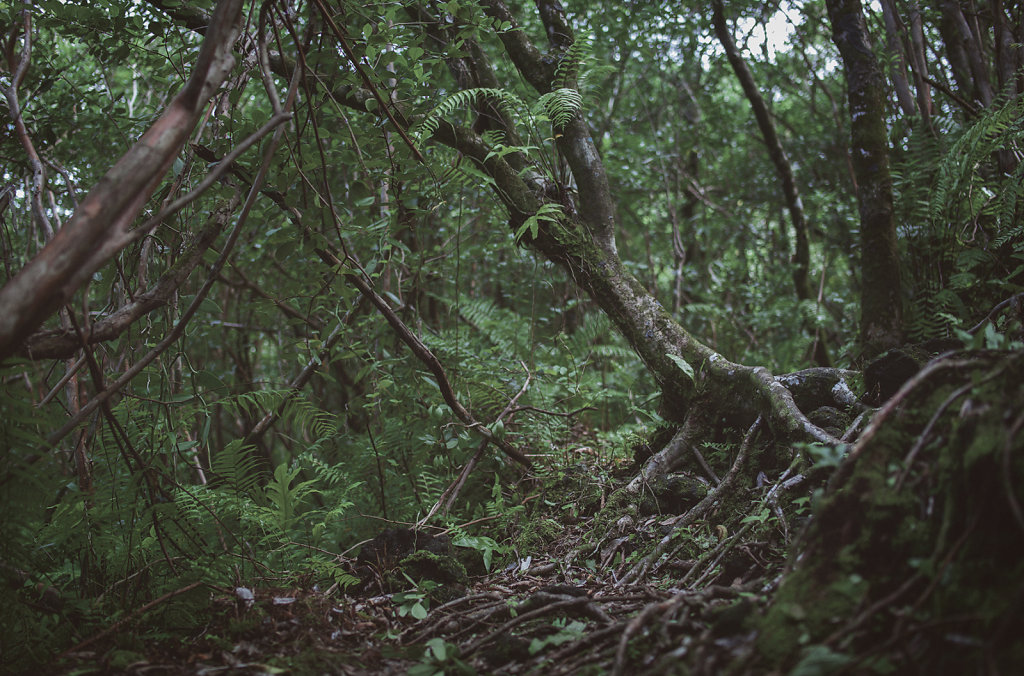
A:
{"x":64,"y":342}
{"x":893,"y":29}
{"x":881,"y":324}
{"x":965,"y":52}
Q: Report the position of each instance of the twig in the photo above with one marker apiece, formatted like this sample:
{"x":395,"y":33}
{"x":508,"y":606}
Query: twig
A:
{"x":179,"y":327}
{"x":706,"y":466}
{"x":72,"y":370}
{"x":637,"y":623}
{"x":718,"y":552}
{"x":219,"y":170}
{"x":925,"y":434}
{"x":21,"y":131}
{"x":567,"y":414}
{"x":844,"y":470}
{"x":1018,"y":514}
{"x":384,"y":105}
{"x":854,"y":426}
{"x":977,"y":327}
{"x":304,"y":376}
{"x":449,"y":494}
{"x":519,"y":619}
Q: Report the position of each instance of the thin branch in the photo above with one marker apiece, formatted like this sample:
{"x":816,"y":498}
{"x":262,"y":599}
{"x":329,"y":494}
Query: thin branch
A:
{"x":428,"y":358}
{"x":449,"y":495}
{"x":992,"y":313}
{"x":305,"y":375}
{"x":100,"y":227}
{"x":131,"y":616}
{"x":179,"y":327}
{"x":385,"y":106}
{"x":21,"y":131}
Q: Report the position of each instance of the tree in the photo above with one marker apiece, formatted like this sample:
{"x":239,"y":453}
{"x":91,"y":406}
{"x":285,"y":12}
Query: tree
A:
{"x":881,"y":302}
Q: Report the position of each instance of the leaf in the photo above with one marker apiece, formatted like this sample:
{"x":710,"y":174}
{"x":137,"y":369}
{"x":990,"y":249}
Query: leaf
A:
{"x":439,"y":648}
{"x":549,"y":213}
{"x":683,"y":365}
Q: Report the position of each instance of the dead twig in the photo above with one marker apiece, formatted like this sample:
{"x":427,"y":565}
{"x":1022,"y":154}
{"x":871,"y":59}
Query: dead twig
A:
{"x":840,"y":476}
{"x":429,"y":359}
{"x":448,"y":496}
{"x":519,"y":619}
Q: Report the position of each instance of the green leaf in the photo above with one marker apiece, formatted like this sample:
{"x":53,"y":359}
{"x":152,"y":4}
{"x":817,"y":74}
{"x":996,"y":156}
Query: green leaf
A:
{"x":438,"y":646}
{"x":683,"y":365}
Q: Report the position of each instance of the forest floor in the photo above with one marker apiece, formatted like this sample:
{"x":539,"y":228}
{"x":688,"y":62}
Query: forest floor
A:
{"x":558,"y":609}
{"x":911,"y":564}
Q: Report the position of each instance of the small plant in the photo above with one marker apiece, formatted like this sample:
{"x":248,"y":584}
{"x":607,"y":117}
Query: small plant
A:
{"x":485,"y":545}
{"x":412,"y":603}
{"x":440,"y":658}
{"x":567,"y":631}
{"x":758,"y":518}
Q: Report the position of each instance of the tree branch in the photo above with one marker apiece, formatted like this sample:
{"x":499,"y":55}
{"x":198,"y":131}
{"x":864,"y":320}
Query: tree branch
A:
{"x":423,"y":353}
{"x":100,"y":227}
{"x":802,"y":256}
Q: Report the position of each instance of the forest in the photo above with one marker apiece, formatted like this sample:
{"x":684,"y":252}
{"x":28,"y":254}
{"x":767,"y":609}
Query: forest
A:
{"x":502,"y":337}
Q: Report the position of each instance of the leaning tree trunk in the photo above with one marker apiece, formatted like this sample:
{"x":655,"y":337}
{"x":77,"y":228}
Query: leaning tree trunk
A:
{"x":101,"y":225}
{"x":578,"y":232}
{"x":881,"y":325}
{"x":692,"y":376}
{"x":802,"y":253}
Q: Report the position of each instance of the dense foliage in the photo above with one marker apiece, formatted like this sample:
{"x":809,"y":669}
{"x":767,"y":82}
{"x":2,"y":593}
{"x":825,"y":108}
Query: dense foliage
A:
{"x":274,"y":418}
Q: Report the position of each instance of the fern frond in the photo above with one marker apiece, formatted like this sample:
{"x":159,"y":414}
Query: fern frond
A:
{"x":561,"y":106}
{"x":292,"y":408}
{"x":997,"y":129}
{"x":236,"y":467}
{"x":463,"y":99}
{"x":568,"y":69}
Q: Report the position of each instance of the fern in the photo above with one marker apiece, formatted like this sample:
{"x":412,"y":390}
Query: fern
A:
{"x":998,"y":129}
{"x":499,"y":326}
{"x":236,"y":466}
{"x":569,"y":66}
{"x":548,"y":212}
{"x":561,"y":106}
{"x":504,"y":100}
{"x":960,"y":214}
{"x":293,"y":409}
{"x":286,"y":497}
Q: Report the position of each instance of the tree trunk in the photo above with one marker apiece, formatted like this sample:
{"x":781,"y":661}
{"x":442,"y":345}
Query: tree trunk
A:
{"x":881,"y":325}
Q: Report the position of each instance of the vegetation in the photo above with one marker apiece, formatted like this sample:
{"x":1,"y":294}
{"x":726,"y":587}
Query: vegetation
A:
{"x":485,"y":336}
